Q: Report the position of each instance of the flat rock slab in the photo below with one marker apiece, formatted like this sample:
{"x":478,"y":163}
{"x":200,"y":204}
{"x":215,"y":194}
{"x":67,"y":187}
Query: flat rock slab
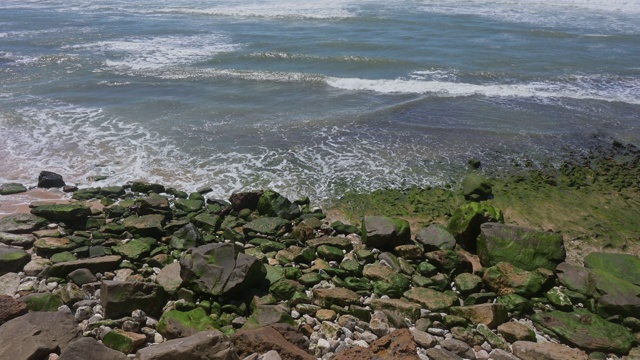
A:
{"x":205,"y":345}
{"x":624,"y":266}
{"x":88,"y":348}
{"x":96,"y":265}
{"x":431,"y":299}
{"x":12,"y":188}
{"x":38,"y":334}
{"x":491,"y":315}
{"x":21,"y":240}
{"x":12,"y":259}
{"x":586,"y":330}
{"x":21,"y":223}
{"x":526,"y":350}
{"x":62,"y":212}
{"x":265,"y":339}
{"x":335,"y":296}
{"x":120,"y":298}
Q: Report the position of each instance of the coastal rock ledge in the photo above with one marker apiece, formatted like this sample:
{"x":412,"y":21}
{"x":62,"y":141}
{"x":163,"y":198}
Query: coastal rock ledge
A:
{"x":157,"y":273}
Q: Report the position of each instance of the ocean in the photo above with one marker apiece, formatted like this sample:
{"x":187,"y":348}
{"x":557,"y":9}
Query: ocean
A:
{"x":310,"y":98}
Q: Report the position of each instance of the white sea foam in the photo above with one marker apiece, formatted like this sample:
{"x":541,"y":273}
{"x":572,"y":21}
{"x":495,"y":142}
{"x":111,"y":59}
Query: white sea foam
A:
{"x":160,"y":51}
{"x":576,"y":87}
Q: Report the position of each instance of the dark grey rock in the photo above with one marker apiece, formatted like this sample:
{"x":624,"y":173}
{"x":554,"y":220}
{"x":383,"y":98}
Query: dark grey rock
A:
{"x":120,"y":298}
{"x":48,"y":179}
{"x":88,"y":348}
{"x":435,"y":237}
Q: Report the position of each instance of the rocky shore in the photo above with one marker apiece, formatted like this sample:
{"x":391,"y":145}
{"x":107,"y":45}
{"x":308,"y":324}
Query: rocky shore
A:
{"x":147,"y":272}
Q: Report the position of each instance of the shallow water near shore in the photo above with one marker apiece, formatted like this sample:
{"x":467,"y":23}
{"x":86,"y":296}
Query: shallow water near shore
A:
{"x":309,"y":98}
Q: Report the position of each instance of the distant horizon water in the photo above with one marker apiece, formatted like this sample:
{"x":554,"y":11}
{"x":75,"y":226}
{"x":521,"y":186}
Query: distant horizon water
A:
{"x":309,"y":98}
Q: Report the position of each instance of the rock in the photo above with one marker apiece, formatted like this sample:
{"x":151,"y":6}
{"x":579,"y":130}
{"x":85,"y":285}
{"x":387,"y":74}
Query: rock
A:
{"x":188,"y":205}
{"x":273,"y":204}
{"x":12,"y":188}
{"x":9,"y":283}
{"x":146,"y":225}
{"x":459,"y":348}
{"x":38,"y":334}
{"x":12,"y":259}
{"x":385,"y":233}
{"x":435,"y":237}
{"x":514,"y":331}
{"x":490,"y":315}
{"x":208,"y":222}
{"x":169,"y":278}
{"x":491,"y":337}
{"x":335,"y":296}
{"x":219,"y":269}
{"x":377,"y":272}
{"x":22,"y":240}
{"x":559,"y":299}
{"x":284,"y":289}
{"x":499,"y":354}
{"x":205,"y":345}
{"x":466,"y":220}
{"x":245,"y":200}
{"x":266,"y":339}
{"x":82,"y":276}
{"x":95,"y":265}
{"x":120,"y":298}
{"x":48,"y":179}
{"x":504,"y":278}
{"x":467,"y":284}
{"x":397,"y":345}
{"x":62,"y":212}
{"x":88,"y":348}
{"x":187,"y":237}
{"x":525,"y":248}
{"x":20,"y":223}
{"x":145,"y":187}
{"x":153,"y":204}
{"x":124,"y":341}
{"x":624,"y":266}
{"x":42,"y":302}
{"x":11,"y":308}
{"x":441,"y":354}
{"x":406,"y":309}
{"x":586,"y":331}
{"x":526,"y":350}
{"x":136,"y":249}
{"x":175,"y":324}
{"x":265,"y":315}
{"x":423,"y":339}
{"x":476,"y":188}
{"x":268,"y":226}
{"x":576,"y":278}
{"x":431,"y":299}
{"x":449,"y":262}
{"x":330,"y":253}
{"x":48,"y":246}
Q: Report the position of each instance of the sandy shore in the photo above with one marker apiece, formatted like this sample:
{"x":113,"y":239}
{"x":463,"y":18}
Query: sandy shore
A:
{"x":19,"y":203}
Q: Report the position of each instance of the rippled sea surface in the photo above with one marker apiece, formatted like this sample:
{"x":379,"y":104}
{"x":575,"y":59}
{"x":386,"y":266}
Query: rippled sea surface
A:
{"x":309,"y":97}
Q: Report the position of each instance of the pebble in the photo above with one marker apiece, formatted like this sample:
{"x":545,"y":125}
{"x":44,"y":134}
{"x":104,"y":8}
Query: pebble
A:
{"x":437,"y":331}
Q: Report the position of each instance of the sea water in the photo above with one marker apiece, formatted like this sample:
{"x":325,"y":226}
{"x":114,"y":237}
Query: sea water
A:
{"x":309,"y":97}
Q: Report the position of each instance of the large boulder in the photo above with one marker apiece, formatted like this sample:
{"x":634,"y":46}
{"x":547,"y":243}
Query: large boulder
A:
{"x":613,"y":294}
{"x":48,"y":179}
{"x":120,"y":298}
{"x":205,"y":345}
{"x":37,"y":334}
{"x":525,"y":248}
{"x":385,"y":233}
{"x":245,"y":200}
{"x":21,"y":223}
{"x":273,"y":204}
{"x":12,"y":259}
{"x":218,"y":269}
{"x":466,"y":220}
{"x":586,"y":331}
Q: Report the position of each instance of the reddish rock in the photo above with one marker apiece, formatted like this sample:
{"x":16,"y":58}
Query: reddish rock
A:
{"x":265,"y":339}
{"x":526,"y":350}
{"x":11,"y":308}
{"x":399,"y":345}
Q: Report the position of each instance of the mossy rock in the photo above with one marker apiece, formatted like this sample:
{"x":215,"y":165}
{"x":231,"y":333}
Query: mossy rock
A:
{"x":273,"y":204}
{"x":175,"y":324}
{"x":62,"y":212}
{"x":268,"y":226}
{"x":466,"y":220}
{"x":330,"y":253}
{"x":188,"y":205}
{"x":265,"y":315}
{"x":383,"y":232}
{"x":586,"y":331}
{"x":123,"y":341}
{"x":525,"y":248}
{"x":42,"y":302}
{"x":624,"y":266}
{"x":476,"y":188}
{"x":136,"y":248}
{"x":284,"y":289}
{"x":12,"y":188}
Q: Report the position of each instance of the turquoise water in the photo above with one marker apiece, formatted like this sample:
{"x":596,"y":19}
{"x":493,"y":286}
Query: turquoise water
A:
{"x":307,"y":97}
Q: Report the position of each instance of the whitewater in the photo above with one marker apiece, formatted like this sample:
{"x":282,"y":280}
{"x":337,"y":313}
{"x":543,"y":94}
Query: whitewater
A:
{"x":310,"y":98}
